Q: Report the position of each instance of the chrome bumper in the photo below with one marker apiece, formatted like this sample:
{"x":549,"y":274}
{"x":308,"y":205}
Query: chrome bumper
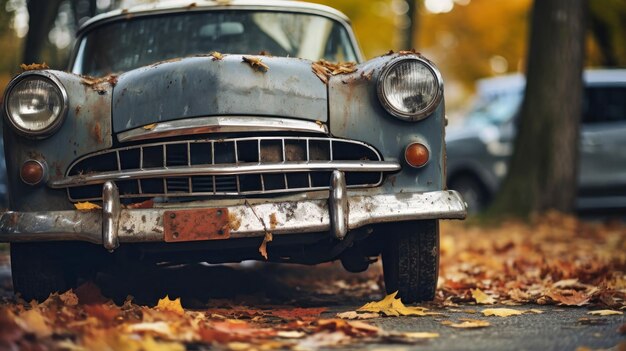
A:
{"x":337,"y":214}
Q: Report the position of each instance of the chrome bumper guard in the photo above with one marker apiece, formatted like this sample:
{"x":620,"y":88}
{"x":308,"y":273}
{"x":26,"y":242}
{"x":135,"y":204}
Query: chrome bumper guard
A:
{"x":337,"y":215}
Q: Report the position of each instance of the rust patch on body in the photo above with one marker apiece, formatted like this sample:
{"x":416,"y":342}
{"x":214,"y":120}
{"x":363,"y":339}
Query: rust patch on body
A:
{"x":196,"y":225}
{"x":96,"y":133}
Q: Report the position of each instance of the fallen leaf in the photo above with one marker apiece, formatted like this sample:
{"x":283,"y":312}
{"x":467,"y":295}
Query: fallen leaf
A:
{"x":155,"y":328}
{"x":569,"y":297}
{"x":390,"y":306}
{"x":352,"y":328}
{"x":501,"y":312}
{"x":605,"y":313}
{"x":69,"y":298}
{"x":298,"y":313}
{"x":469,"y":323}
{"x":87,"y":206}
{"x":420,"y":335}
{"x":324,"y":69}
{"x":357,"y":315}
{"x":34,"y":66}
{"x":149,"y":126}
{"x":263,"y":248}
{"x":481,"y":298}
{"x":290,"y":334}
{"x":216,"y":56}
{"x":256,"y":63}
{"x":566,"y":283}
{"x":165,"y":304}
{"x":34,"y":322}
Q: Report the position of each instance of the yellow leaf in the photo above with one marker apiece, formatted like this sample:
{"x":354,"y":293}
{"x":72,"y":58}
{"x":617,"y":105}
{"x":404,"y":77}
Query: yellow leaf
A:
{"x":502,"y":312}
{"x":482,"y":298}
{"x":86,"y":206}
{"x":155,"y":328}
{"x":216,"y":55}
{"x":150,"y":126}
{"x":605,"y":313}
{"x":469,"y":323}
{"x":165,"y":304}
{"x":390,"y":306}
{"x":34,"y":322}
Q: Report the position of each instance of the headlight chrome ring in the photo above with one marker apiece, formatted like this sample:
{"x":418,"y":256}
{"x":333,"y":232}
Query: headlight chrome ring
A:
{"x":410,"y":88}
{"x":48,"y":105}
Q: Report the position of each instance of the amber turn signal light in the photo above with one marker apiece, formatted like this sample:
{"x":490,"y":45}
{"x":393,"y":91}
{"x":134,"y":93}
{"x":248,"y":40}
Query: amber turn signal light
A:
{"x":416,"y":155}
{"x":32,"y":172}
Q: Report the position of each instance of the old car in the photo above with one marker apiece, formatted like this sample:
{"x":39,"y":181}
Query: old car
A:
{"x":479,"y":149}
{"x":220,"y":132}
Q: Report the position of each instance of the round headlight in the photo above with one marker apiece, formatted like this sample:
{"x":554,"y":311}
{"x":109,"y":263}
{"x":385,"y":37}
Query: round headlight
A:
{"x":410,"y":88}
{"x":35,"y":105}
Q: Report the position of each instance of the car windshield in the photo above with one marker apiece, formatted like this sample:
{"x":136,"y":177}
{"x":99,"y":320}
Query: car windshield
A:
{"x":125,"y":45}
{"x":495,"y":109}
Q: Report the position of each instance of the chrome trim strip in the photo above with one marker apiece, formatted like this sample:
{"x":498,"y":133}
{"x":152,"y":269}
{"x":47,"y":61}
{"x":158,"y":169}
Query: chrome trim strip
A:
{"x":292,"y":217}
{"x":221,"y":124}
{"x":226,"y":169}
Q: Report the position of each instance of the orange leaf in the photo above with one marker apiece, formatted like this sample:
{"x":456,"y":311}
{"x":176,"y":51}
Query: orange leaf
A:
{"x":165,"y":304}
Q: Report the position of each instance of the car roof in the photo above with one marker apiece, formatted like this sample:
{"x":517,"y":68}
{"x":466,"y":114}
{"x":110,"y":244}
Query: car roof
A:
{"x":515,"y":82}
{"x":177,"y":6}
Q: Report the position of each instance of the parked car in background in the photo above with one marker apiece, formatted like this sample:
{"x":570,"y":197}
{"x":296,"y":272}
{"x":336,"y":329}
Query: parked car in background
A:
{"x":220,"y":132}
{"x":479,"y":149}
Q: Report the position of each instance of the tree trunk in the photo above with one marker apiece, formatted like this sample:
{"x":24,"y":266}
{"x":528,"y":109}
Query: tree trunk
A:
{"x":543,"y":169}
{"x":42,"y":14}
{"x":410,"y":37}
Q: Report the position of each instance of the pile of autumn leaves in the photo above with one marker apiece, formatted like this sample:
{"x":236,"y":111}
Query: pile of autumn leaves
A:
{"x":554,"y":260}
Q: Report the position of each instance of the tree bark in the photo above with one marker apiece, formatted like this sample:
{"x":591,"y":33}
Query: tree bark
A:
{"x":543,"y":169}
{"x":42,"y":14}
{"x":410,"y":38}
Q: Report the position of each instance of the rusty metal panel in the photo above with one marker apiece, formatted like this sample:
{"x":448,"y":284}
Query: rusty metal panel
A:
{"x":201,"y":86}
{"x":196,"y":225}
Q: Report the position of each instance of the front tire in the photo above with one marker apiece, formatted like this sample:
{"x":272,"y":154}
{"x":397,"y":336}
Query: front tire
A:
{"x":39,"y":269}
{"x":411,"y":260}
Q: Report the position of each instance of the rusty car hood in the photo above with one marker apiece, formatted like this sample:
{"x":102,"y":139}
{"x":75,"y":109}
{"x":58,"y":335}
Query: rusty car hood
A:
{"x":204,"y":86}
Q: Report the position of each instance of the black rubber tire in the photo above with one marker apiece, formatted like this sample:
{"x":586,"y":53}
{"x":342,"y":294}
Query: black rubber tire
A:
{"x":411,"y":260}
{"x":39,"y":269}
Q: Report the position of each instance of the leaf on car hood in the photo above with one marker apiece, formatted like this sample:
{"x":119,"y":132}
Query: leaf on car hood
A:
{"x":87,"y":206}
{"x":324,"y":69}
{"x":216,"y":56}
{"x":392,"y":306}
{"x":149,"y":126}
{"x":34,"y":66}
{"x":256,"y":63}
{"x":165,"y":304}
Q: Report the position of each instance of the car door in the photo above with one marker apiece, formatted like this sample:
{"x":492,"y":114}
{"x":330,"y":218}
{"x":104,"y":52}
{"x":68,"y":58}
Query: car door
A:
{"x":602,"y":172}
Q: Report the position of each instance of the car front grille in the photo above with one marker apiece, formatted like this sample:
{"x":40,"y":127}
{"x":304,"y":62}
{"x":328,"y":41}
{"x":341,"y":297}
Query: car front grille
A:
{"x":242,"y":163}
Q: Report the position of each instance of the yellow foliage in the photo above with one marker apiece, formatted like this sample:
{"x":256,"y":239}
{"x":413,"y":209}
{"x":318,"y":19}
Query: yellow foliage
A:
{"x":165,"y":304}
{"x":392,"y":306}
{"x":87,"y":206}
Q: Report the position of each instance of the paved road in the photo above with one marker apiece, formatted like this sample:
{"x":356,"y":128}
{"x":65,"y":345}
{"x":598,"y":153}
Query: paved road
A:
{"x":555,"y":329}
